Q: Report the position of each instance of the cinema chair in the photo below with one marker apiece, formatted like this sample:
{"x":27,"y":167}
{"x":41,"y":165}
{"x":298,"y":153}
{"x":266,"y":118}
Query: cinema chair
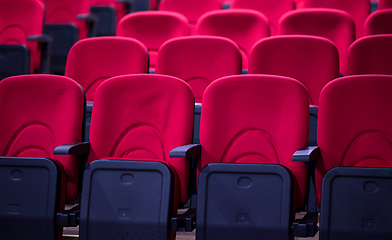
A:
{"x":379,"y":22}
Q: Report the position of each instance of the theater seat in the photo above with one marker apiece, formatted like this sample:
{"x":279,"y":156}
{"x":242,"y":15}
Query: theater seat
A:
{"x":384,"y":4}
{"x":39,"y":112}
{"x":379,"y":22}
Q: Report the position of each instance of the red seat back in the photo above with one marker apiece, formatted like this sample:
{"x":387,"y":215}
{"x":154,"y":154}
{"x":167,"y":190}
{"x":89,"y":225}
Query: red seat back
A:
{"x":370,"y":55}
{"x":91,"y":61}
{"x":354,"y":127}
{"x":20,"y":19}
{"x":199,"y":60}
{"x":383,"y":4}
{"x":256,"y":119}
{"x":273,"y":10}
{"x":41,"y":112}
{"x":153,"y":28}
{"x":143,"y":116}
{"x":312,"y":60}
{"x":244,"y":27}
{"x":379,"y":22}
{"x":336,"y":25}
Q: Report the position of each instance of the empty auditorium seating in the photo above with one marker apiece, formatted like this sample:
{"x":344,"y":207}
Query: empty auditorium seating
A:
{"x":191,"y":9}
{"x":379,"y":22}
{"x":199,"y":60}
{"x":245,"y":27}
{"x":312,"y":60}
{"x":353,"y":173}
{"x":39,"y":112}
{"x":23,"y":48}
{"x":383,"y":4}
{"x":358,"y":9}
{"x":153,"y":28}
{"x":121,"y":8}
{"x":336,"y":25}
{"x":273,"y":10}
{"x":133,"y":192}
{"x":370,"y":55}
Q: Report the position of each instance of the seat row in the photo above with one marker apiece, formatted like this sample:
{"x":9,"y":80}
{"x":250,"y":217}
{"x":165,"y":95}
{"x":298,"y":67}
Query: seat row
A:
{"x":255,"y":167}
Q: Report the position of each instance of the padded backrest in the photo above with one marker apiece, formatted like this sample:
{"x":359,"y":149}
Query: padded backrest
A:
{"x":383,"y":4}
{"x":143,"y":116}
{"x":191,"y":9}
{"x":379,"y":22}
{"x":20,"y":19}
{"x":60,"y":11}
{"x":91,"y":61}
{"x":39,"y":113}
{"x":199,"y":60}
{"x":256,"y":119}
{"x":371,"y":54}
{"x":273,"y":10}
{"x":244,"y":27}
{"x":358,"y":9}
{"x":312,"y":60}
{"x":336,"y":25}
{"x":354,"y":127}
{"x":153,"y":28}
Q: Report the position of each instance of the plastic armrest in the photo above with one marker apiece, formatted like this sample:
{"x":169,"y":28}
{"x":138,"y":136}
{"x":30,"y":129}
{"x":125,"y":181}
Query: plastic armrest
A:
{"x":45,"y":42}
{"x":307,"y":154}
{"x":307,"y":226}
{"x":69,"y":218}
{"x":92,"y":21}
{"x":186,"y":151}
{"x":72,"y":148}
{"x":185,"y":222}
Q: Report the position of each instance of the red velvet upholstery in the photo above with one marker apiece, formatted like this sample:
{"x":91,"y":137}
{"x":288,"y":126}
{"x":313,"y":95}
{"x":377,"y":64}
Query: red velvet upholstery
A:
{"x":199,"y":60}
{"x":273,"y":10}
{"x":312,"y":60}
{"x":143,"y":116}
{"x":354,"y":127}
{"x":153,"y":28}
{"x":383,"y":4}
{"x":358,"y":9}
{"x":379,"y":22}
{"x":336,"y":25}
{"x":256,"y":119}
{"x":41,"y":112}
{"x":91,"y":61}
{"x":60,"y":11}
{"x":370,"y":54}
{"x":18,"y":20}
{"x":244,"y":27}
{"x":191,"y":9}
{"x":121,"y":11}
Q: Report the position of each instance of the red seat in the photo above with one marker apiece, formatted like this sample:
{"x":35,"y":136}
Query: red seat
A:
{"x":40,"y":112}
{"x":370,"y":55}
{"x":199,"y":60}
{"x":383,"y":4}
{"x":191,"y":9}
{"x":358,"y":9}
{"x":273,"y":10}
{"x":153,"y":28}
{"x":336,"y":25}
{"x":379,"y":22}
{"x":120,"y":7}
{"x":244,"y":27}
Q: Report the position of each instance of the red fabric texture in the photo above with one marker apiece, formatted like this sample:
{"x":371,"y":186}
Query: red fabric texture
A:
{"x":273,"y":10}
{"x":199,"y":60}
{"x":18,"y":20}
{"x":256,"y":118}
{"x":370,"y":55}
{"x":379,"y":22}
{"x":143,"y":116}
{"x":314,"y":61}
{"x":60,"y":11}
{"x":335,"y":25}
{"x":153,"y":28}
{"x":244,"y":27}
{"x":358,"y":9}
{"x":354,"y":124}
{"x":43,"y":112}
{"x":383,"y":4}
{"x":91,"y":61}
{"x":191,"y":9}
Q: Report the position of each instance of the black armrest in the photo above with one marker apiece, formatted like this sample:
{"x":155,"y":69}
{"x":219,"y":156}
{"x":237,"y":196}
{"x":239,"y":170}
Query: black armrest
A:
{"x":45,"y":42}
{"x":307,"y":154}
{"x":91,"y":20}
{"x":185,"y":222}
{"x":72,"y":148}
{"x":307,"y":226}
{"x":69,"y":218}
{"x":186,"y":151}
{"x":127,"y":4}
